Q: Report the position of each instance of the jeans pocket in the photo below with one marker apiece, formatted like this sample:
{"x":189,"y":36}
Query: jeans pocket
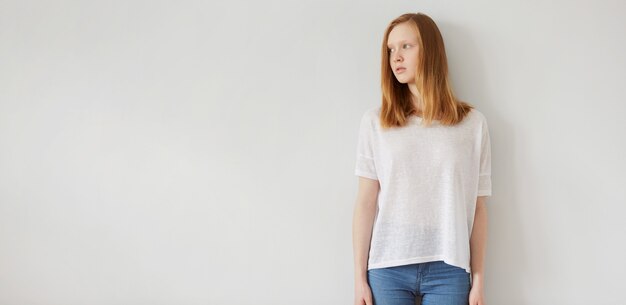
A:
{"x":441,"y":267}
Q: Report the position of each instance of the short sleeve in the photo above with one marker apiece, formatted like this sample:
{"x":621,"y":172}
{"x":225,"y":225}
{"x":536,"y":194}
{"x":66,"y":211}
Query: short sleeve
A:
{"x":365,"y":165}
{"x":484,"y":178}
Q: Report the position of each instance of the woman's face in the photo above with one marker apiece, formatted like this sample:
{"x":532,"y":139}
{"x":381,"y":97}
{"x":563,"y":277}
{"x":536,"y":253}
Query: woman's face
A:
{"x":403,"y":49}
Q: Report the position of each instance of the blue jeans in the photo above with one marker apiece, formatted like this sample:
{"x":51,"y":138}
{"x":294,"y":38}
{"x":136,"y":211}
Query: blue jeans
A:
{"x":435,"y":283}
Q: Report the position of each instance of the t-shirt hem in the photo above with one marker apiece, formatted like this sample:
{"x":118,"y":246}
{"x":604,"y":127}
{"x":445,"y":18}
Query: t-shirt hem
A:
{"x":366,"y":175}
{"x":417,"y":260}
{"x":484,"y":193}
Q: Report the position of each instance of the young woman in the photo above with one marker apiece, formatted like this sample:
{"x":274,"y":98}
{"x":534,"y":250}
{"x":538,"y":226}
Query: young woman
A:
{"x":424,"y":167}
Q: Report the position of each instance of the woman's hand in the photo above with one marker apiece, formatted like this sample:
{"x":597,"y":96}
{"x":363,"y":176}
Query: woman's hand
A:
{"x":476,"y":295}
{"x":362,"y":294}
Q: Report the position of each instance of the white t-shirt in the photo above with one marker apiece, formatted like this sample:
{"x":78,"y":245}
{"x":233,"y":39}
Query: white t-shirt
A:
{"x":429,"y":179}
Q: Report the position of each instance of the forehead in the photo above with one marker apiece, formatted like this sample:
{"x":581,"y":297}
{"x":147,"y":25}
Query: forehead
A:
{"x":401,"y":33}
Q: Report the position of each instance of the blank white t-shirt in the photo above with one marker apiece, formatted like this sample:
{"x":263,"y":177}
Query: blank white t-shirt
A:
{"x":429,"y":179}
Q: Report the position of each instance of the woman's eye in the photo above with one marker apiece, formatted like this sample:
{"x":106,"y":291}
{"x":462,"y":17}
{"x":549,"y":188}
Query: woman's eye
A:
{"x":404,"y":45}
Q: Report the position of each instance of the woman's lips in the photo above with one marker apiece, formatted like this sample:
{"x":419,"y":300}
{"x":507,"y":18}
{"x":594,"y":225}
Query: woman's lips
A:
{"x":400,"y":70}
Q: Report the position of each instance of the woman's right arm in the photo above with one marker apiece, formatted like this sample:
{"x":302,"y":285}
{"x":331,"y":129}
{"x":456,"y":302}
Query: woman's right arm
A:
{"x":363,"y":221}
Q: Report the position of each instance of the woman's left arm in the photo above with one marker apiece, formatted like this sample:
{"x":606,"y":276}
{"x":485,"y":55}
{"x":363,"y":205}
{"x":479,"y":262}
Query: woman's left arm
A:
{"x":478,"y":244}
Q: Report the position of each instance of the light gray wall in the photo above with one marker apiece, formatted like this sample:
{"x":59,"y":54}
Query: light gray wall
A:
{"x":196,"y":152}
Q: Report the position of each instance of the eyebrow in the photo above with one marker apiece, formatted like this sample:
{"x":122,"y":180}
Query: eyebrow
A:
{"x":401,"y":41}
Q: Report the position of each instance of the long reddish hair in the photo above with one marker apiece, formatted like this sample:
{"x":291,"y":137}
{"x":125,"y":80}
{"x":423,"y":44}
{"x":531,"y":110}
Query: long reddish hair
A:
{"x":431,"y":79}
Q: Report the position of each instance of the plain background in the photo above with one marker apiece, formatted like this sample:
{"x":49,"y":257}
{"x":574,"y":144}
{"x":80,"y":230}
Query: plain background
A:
{"x":196,"y":152}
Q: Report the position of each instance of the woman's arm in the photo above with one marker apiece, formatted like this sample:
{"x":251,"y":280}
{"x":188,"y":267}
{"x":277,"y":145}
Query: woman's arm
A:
{"x":362,"y":224}
{"x":478,"y":242}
